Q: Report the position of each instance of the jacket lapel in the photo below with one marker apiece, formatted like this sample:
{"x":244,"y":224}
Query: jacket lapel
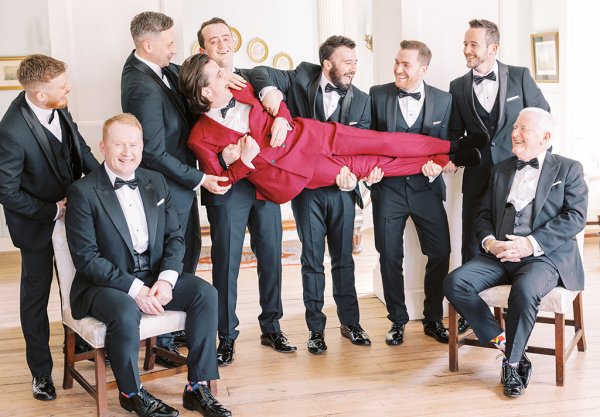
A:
{"x":391,"y":108}
{"x":470,"y":98}
{"x":502,"y":188}
{"x":346,"y":102}
{"x":502,"y":91}
{"x":313,"y":87}
{"x":547,"y":177}
{"x":428,"y":107}
{"x":150,"y":200}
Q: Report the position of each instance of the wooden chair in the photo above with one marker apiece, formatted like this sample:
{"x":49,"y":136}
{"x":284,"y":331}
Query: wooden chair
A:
{"x":94,"y":333}
{"x":556,"y":301}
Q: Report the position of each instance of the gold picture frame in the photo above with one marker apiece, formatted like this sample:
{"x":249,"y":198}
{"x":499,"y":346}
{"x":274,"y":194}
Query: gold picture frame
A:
{"x":195,"y":48}
{"x":258,"y":50}
{"x":283,"y":61}
{"x":8,"y":72}
{"x":544,"y":57}
{"x":236,"y":39}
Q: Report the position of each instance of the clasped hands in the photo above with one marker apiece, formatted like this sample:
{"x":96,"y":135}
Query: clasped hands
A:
{"x":152,"y":300}
{"x":347,"y":181}
{"x":512,"y":250}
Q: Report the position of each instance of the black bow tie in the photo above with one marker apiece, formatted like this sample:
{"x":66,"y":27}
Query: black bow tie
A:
{"x":229,"y":105}
{"x":534,"y":163}
{"x":329,"y":88}
{"x":119,"y":182}
{"x":478,"y":79}
{"x":403,"y":93}
{"x":51,"y":116}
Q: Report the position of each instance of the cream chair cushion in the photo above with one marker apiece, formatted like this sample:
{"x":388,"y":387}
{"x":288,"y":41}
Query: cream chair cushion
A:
{"x":559,"y":300}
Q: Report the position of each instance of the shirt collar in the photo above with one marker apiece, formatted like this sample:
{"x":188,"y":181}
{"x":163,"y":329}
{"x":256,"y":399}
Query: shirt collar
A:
{"x":494,"y":68}
{"x":419,"y":89}
{"x":112,"y":176}
{"x":154,"y":67}
{"x":43,"y":115}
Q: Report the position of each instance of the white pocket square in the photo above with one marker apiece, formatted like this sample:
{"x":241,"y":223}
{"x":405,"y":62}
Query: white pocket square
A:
{"x":160,"y":202}
{"x":437,"y":122}
{"x":556,"y":183}
{"x":513,"y":98}
{"x":352,"y":123}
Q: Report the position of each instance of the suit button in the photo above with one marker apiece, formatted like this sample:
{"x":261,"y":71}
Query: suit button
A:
{"x":274,"y":162}
{"x":269,"y":136}
{"x":407,"y":178}
{"x":493,"y":144}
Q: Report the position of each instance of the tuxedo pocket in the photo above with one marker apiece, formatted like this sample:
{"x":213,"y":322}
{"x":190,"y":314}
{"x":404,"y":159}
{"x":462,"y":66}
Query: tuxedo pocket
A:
{"x":437,"y":122}
{"x":513,"y":98}
{"x":160,"y":202}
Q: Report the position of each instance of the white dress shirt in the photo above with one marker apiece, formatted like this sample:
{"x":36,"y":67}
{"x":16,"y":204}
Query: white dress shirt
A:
{"x":135,"y":216}
{"x":487,"y":90}
{"x":331,"y":99}
{"x":411,"y":108}
{"x":154,"y":67}
{"x":237,"y":117}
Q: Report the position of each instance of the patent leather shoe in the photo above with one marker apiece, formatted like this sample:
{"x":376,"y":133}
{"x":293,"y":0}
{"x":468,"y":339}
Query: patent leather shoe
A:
{"x":179,"y":338}
{"x":145,"y":404}
{"x":471,"y":141}
{"x":463,"y":324}
{"x":43,"y":388}
{"x":168,"y":363}
{"x":316,"y":343}
{"x":396,"y":335}
{"x":436,"y":330}
{"x":513,"y":385}
{"x":277,"y":341}
{"x":525,"y":370}
{"x":225,"y":351}
{"x":201,"y":399}
{"x":356,"y":334}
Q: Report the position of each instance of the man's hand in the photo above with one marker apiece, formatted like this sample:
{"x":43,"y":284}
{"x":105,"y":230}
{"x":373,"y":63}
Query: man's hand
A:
{"x":232,"y":152}
{"x":162,"y":291}
{"x":249,"y":150}
{"x":271,"y":101}
{"x":234,"y":81}
{"x":279,"y":131}
{"x":62,"y":208}
{"x":346,"y":180}
{"x":211,"y":183}
{"x":431,"y":169}
{"x":374,"y":176}
{"x":450,"y":168}
{"x":517,"y":248}
{"x":148,"y":303}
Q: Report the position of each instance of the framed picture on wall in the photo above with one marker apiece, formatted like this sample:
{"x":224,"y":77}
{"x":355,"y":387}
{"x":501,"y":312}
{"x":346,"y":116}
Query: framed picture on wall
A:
{"x":258,"y":50}
{"x":283,"y":61}
{"x":544,"y":55}
{"x":8,"y":72}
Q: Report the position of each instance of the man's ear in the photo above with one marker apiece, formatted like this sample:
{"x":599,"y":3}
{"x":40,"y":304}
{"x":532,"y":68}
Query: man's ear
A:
{"x":206,"y":93}
{"x":327,"y":65}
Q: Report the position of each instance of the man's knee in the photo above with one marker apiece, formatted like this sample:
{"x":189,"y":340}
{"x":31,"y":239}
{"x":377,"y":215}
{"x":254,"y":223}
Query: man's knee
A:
{"x":125,"y":322}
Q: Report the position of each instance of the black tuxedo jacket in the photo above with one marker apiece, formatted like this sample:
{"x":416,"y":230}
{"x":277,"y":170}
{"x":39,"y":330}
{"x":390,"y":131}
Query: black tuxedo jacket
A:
{"x":166,"y":122}
{"x":30,"y":183}
{"x":517,"y":90}
{"x":436,"y":117}
{"x":559,"y":212}
{"x":99,"y":240}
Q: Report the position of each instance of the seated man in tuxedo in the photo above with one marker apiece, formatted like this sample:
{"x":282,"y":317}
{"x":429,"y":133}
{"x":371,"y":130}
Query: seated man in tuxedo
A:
{"x":127,"y":247}
{"x":535,"y":205}
{"x":298,"y":153}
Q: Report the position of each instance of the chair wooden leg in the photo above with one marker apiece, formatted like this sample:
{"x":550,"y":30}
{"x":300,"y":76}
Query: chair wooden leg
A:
{"x":499,"y":314}
{"x":69,"y":357}
{"x":578,"y":319}
{"x":212,"y":385}
{"x":101,"y":398}
{"x":559,"y":348}
{"x":149,"y":356}
{"x":452,"y":338}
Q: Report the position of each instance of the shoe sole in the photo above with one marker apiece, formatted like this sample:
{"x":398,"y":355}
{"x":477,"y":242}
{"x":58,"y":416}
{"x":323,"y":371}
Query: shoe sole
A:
{"x":317,"y":351}
{"x":393,"y":342}
{"x":277,"y":350}
{"x":365,"y":343}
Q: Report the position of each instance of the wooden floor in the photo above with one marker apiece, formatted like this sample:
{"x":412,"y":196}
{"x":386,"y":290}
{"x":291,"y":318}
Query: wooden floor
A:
{"x":407,"y":380}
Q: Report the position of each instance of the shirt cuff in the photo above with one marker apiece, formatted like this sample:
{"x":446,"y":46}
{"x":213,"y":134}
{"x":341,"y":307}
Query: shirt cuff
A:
{"x":265,"y":91}
{"x":57,"y":212}
{"x":485,"y":239}
{"x":432,"y":177}
{"x":170,"y":276}
{"x":201,"y":182}
{"x":537,"y":249}
{"x":135,"y":288}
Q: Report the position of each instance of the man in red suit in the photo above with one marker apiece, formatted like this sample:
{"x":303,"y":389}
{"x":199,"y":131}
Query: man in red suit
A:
{"x":293,"y":154}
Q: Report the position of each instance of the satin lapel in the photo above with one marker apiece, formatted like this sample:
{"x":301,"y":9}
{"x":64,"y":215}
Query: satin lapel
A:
{"x":74,"y":138}
{"x":111,"y":205}
{"x":470,"y":99}
{"x":346,"y":102}
{"x":547,"y":178}
{"x":150,"y":200}
{"x":502,"y":91}
{"x":39,"y":134}
{"x":312,"y":95}
{"x":140,"y":66}
{"x":428,"y":108}
{"x":391,"y":108}
{"x":501,"y":190}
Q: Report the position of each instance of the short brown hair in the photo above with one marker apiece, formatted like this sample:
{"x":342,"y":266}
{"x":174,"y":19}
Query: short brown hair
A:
{"x":147,"y":23}
{"x":331,"y":44}
{"x":123,"y":118}
{"x":424,"y":56}
{"x":213,"y":21}
{"x":191,"y":81}
{"x":492,"y":34}
{"x":39,"y":68}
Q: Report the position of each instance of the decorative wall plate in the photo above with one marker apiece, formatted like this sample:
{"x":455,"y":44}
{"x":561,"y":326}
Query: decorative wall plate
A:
{"x":258,"y":50}
{"x":283,"y":61}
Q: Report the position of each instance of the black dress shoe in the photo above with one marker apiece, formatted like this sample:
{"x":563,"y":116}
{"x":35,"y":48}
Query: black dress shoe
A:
{"x":225,"y":351}
{"x":436,"y":330}
{"x":179,"y":338}
{"x":513,"y":385}
{"x":145,"y":404}
{"x":356,"y":334}
{"x":463,"y":325}
{"x":396,"y":335}
{"x":168,"y":363}
{"x":277,"y":341}
{"x":466,"y":158}
{"x":202,"y":400}
{"x":316,"y":343}
{"x":43,"y":388}
{"x":525,"y":370}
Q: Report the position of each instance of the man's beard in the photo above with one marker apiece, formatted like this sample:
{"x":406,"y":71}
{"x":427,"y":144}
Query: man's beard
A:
{"x":336,"y":78}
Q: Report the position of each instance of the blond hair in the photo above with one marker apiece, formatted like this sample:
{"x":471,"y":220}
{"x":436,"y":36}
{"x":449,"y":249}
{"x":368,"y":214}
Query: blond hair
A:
{"x":123,"y":118}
